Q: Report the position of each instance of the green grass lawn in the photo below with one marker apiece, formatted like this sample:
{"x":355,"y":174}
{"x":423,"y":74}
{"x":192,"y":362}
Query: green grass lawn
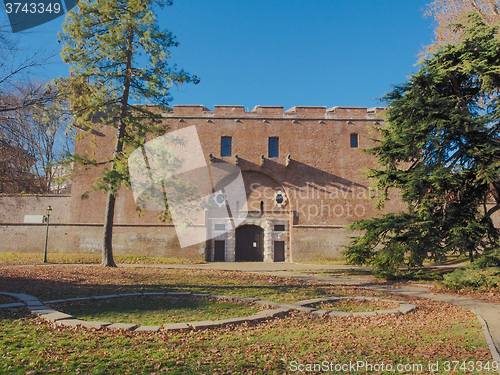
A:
{"x":154,"y":310}
{"x":29,"y":345}
{"x":8,"y":258}
{"x":355,"y":305}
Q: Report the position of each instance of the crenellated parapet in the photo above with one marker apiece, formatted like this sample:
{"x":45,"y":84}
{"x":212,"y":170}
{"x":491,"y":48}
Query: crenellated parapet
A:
{"x":276,"y":112}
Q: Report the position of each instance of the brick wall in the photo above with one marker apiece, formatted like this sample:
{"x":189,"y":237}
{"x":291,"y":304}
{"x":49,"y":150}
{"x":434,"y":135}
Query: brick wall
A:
{"x":322,"y":176}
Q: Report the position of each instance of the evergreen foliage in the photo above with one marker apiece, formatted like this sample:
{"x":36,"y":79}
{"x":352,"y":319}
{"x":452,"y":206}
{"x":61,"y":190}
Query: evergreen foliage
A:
{"x":441,"y":151}
{"x":119,"y":65}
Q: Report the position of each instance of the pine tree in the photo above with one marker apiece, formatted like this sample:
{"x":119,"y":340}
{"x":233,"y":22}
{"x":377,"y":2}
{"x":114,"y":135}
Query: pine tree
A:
{"x":441,"y":150}
{"x":119,"y":59}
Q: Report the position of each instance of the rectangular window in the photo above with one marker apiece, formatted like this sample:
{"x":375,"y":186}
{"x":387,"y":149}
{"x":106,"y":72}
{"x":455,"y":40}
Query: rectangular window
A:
{"x":225,"y":146}
{"x":274,"y":146}
{"x":220,"y":227}
{"x":354,"y":141}
{"x":279,"y":228}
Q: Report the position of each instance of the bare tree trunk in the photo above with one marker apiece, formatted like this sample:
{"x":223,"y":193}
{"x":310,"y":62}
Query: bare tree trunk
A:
{"x":107,"y":251}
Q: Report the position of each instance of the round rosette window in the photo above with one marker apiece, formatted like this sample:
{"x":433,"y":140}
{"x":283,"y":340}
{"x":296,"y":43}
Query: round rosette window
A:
{"x":220,"y":198}
{"x":279,"y":199}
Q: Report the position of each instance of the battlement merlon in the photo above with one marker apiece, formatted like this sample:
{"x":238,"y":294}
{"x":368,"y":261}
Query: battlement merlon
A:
{"x":276,"y":112}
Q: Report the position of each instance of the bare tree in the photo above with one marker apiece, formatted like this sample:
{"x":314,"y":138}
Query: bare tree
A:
{"x":33,"y":126}
{"x":17,"y":68}
{"x":449,"y":12}
{"x":15,"y":170}
{"x":42,"y":133}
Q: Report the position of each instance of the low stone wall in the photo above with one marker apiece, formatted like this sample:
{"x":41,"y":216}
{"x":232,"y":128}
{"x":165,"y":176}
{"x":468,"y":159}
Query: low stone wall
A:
{"x":311,"y":243}
{"x":308,"y":243}
{"x":153,"y":241}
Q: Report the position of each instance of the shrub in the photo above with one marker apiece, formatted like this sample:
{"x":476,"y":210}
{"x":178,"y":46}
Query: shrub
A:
{"x":474,"y":278}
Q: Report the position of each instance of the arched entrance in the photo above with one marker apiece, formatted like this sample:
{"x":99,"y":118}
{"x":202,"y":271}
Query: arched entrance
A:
{"x":262,"y":231}
{"x":249,"y":244}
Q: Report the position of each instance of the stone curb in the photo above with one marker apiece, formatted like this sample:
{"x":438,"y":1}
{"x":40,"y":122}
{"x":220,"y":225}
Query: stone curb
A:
{"x":43,"y":310}
{"x":94,"y":324}
{"x":200,"y":295}
{"x":62,"y":319}
{"x":55,"y":316}
{"x":147,"y":329}
{"x":489,"y":339}
{"x":256,"y":318}
{"x":339,"y":313}
{"x":20,"y":296}
{"x":309,"y":301}
{"x":129,"y":294}
{"x":271,"y":313}
{"x":403,"y":308}
{"x":275,"y":310}
{"x":204,"y":324}
{"x":365,"y":313}
{"x":70,"y":300}
{"x":388,"y":312}
{"x":268,"y":303}
{"x":123,"y":326}
{"x":176,"y":326}
{"x":106,"y":296}
{"x":70,"y":322}
{"x":11,"y":305}
{"x":406,"y":308}
{"x":232,"y":321}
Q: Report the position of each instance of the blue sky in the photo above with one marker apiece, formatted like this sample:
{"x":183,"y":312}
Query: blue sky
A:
{"x":282,"y":52}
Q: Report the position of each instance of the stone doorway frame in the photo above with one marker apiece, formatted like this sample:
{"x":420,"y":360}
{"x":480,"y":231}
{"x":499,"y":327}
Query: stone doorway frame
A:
{"x":270,"y":235}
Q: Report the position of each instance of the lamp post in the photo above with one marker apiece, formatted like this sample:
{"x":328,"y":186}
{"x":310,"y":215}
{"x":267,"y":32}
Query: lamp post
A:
{"x":49,"y":211}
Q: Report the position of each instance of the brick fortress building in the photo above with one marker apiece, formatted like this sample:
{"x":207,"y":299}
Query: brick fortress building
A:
{"x":304,"y":171}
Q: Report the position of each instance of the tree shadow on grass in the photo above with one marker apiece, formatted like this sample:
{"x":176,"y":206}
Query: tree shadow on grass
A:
{"x":47,"y":289}
{"x":155,"y":310}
